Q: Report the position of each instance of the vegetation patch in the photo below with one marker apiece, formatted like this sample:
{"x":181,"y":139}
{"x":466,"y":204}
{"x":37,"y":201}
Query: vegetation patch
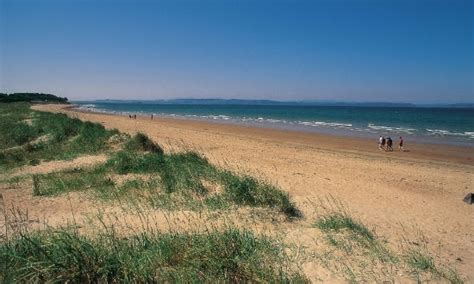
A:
{"x":175,"y":180}
{"x":47,"y":137}
{"x":422,"y":265}
{"x":71,"y":180}
{"x":339,"y":222}
{"x":420,"y":261}
{"x":64,"y":256}
{"x":361,"y":255}
{"x":141,"y":142}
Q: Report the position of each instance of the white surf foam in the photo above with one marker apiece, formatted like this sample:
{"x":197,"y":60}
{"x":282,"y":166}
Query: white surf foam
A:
{"x":442,"y":132}
{"x":391,"y":128}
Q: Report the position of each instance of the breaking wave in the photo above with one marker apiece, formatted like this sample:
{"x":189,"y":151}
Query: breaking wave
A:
{"x":392,"y":129}
{"x":442,"y":132}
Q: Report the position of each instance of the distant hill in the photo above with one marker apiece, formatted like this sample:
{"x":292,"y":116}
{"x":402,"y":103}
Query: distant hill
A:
{"x":31,"y":97}
{"x":255,"y":102}
{"x":467,"y":105}
{"x":197,"y":101}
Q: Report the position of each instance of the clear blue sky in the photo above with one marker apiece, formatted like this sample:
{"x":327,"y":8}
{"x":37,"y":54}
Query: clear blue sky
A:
{"x":411,"y":51}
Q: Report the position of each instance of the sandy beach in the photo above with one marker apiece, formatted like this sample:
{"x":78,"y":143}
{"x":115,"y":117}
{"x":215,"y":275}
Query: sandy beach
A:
{"x":237,"y":142}
{"x":397,"y":193}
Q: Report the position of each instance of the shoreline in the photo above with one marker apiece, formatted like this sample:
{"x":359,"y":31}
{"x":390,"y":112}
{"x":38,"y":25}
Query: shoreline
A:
{"x":362,"y":145}
{"x":344,"y":129}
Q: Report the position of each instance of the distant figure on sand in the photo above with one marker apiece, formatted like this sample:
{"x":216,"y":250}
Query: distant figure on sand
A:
{"x":380,"y":142}
{"x":152,"y":117}
{"x":400,"y":144}
{"x":389,"y":144}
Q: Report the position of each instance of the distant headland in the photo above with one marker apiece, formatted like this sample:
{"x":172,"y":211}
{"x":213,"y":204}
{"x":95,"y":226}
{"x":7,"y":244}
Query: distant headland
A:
{"x":32,"y":98}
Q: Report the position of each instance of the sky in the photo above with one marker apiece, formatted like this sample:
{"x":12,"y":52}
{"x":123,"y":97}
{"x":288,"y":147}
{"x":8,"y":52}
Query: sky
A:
{"x":377,"y":50}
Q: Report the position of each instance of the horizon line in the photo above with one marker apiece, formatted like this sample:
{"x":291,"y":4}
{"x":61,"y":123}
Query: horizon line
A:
{"x":279,"y":101}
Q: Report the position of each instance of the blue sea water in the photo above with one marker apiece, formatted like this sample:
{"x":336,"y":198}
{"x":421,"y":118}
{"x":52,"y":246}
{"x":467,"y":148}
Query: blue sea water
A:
{"x":428,"y":125}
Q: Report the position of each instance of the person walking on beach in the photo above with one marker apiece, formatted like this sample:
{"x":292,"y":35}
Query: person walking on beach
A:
{"x":380,"y":142}
{"x":400,"y":144}
{"x":152,"y":117}
{"x":389,"y":144}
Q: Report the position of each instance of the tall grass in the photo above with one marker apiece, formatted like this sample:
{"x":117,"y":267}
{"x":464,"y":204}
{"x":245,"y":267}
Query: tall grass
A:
{"x":66,"y":256}
{"x":247,"y":190}
{"x":421,"y":262}
{"x":363,"y":256}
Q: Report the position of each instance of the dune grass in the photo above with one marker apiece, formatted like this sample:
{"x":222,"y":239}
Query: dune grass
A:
{"x":29,"y":137}
{"x":420,"y":261}
{"x":14,"y":131}
{"x":422,"y":264}
{"x":71,"y":180}
{"x":216,"y":256}
{"x":141,"y":142}
{"x":361,"y":255}
{"x":171,"y":180}
{"x":338,"y":222}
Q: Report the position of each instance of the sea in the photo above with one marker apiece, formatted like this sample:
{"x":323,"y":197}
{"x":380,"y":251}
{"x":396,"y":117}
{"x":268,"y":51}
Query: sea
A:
{"x":437,"y":125}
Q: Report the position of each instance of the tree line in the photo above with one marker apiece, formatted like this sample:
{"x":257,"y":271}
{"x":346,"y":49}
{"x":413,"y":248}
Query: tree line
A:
{"x":31,"y":97}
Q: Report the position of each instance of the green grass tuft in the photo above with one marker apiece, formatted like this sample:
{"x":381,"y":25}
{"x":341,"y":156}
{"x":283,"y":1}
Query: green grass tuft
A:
{"x":339,"y":221}
{"x":141,"y":142}
{"x":249,"y":191}
{"x":420,"y":261}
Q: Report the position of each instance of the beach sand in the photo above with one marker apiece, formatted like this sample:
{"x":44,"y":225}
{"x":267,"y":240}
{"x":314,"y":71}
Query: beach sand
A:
{"x":397,"y":193}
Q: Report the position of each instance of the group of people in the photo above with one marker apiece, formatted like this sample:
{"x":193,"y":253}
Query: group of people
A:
{"x":385,"y":143}
{"x":134,"y":116}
